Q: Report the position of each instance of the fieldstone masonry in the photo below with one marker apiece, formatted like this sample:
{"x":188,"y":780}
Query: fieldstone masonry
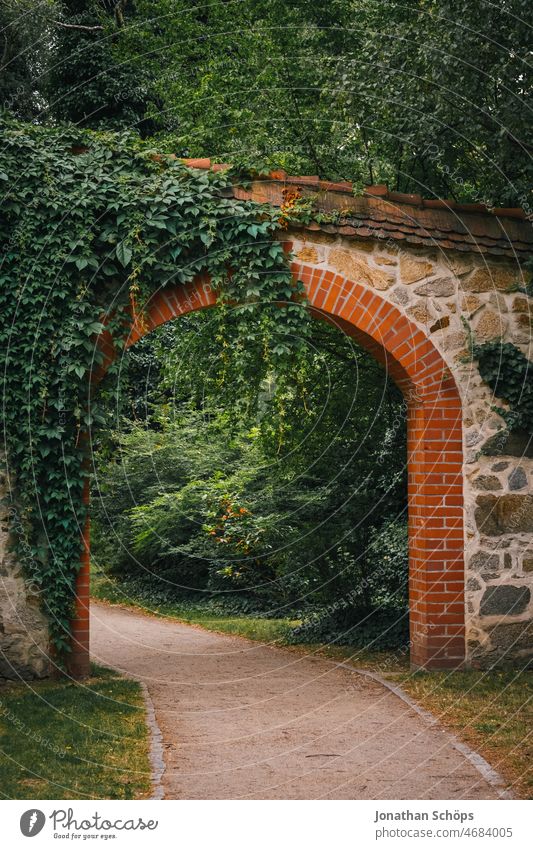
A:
{"x":23,"y":625}
{"x":450,"y":295}
{"x":441,"y":273}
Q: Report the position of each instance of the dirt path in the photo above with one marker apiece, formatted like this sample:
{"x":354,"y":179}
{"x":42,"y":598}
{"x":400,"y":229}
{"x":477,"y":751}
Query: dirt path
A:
{"x":244,"y":720}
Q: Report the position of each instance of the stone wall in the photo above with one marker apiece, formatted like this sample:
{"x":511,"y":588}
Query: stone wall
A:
{"x":23,"y":626}
{"x":448,"y":295}
{"x":451,"y":295}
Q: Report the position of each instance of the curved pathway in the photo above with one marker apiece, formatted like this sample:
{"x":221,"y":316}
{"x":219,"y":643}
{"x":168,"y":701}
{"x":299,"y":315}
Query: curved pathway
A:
{"x":244,"y":720}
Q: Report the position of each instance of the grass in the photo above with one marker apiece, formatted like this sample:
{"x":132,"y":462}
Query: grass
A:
{"x":492,"y":711}
{"x":61,"y":739}
{"x":252,"y":627}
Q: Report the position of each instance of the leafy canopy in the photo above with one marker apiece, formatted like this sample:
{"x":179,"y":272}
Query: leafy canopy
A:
{"x":431,"y":96}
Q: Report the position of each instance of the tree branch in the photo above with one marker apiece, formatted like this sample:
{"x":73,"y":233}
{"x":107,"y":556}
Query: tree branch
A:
{"x":119,"y":12}
{"x":304,"y":134}
{"x":4,"y":52}
{"x":77,"y":26}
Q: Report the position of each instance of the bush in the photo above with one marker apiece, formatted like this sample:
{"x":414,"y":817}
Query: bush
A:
{"x":373,"y":612}
{"x":374,"y":630}
{"x":282,"y":510}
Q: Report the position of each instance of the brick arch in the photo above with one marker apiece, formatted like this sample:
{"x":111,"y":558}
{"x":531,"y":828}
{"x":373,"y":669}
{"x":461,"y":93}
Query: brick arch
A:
{"x":434,"y":453}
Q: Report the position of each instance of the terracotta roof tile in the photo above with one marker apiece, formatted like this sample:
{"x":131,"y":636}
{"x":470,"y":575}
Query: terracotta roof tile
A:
{"x":508,"y":212}
{"x":437,"y":203}
{"x":376,"y":191}
{"x":401,"y":197}
{"x":325,"y":186}
{"x":396,"y":216}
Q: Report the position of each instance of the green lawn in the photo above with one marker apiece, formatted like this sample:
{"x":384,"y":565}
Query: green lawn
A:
{"x":492,"y":711}
{"x":255,"y":628}
{"x":68,"y":740}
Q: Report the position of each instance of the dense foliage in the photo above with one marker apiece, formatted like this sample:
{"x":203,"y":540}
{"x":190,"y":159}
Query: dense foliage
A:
{"x":89,"y":228}
{"x":298,"y":504}
{"x":433,"y":97}
{"x":430,"y":97}
{"x":26,"y":38}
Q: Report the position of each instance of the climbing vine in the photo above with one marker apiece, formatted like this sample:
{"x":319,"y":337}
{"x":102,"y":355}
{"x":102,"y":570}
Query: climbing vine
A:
{"x":91,"y":225}
{"x":509,"y":374}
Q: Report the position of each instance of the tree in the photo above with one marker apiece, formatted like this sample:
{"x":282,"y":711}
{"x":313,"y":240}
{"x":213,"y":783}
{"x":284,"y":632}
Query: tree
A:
{"x":26,"y":32}
{"x":431,"y":97}
{"x":88,"y":83}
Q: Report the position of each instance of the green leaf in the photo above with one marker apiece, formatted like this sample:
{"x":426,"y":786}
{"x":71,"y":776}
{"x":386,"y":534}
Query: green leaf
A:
{"x":124,"y":253}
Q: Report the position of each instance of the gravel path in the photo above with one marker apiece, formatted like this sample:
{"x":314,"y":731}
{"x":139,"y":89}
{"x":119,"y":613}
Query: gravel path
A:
{"x":244,"y":720}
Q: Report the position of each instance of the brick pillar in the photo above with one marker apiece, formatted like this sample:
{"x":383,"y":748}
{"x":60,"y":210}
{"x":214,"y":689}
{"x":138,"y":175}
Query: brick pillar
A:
{"x":79,"y":661}
{"x":436,"y":533}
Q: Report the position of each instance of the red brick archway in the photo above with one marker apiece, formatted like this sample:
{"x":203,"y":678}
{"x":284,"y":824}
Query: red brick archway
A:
{"x":434,"y":446}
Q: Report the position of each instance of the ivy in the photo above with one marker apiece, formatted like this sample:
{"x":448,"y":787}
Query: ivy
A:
{"x":509,"y":374}
{"x":91,"y":225}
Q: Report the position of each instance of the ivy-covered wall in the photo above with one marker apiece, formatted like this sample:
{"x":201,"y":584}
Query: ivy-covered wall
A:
{"x":92,"y":226}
